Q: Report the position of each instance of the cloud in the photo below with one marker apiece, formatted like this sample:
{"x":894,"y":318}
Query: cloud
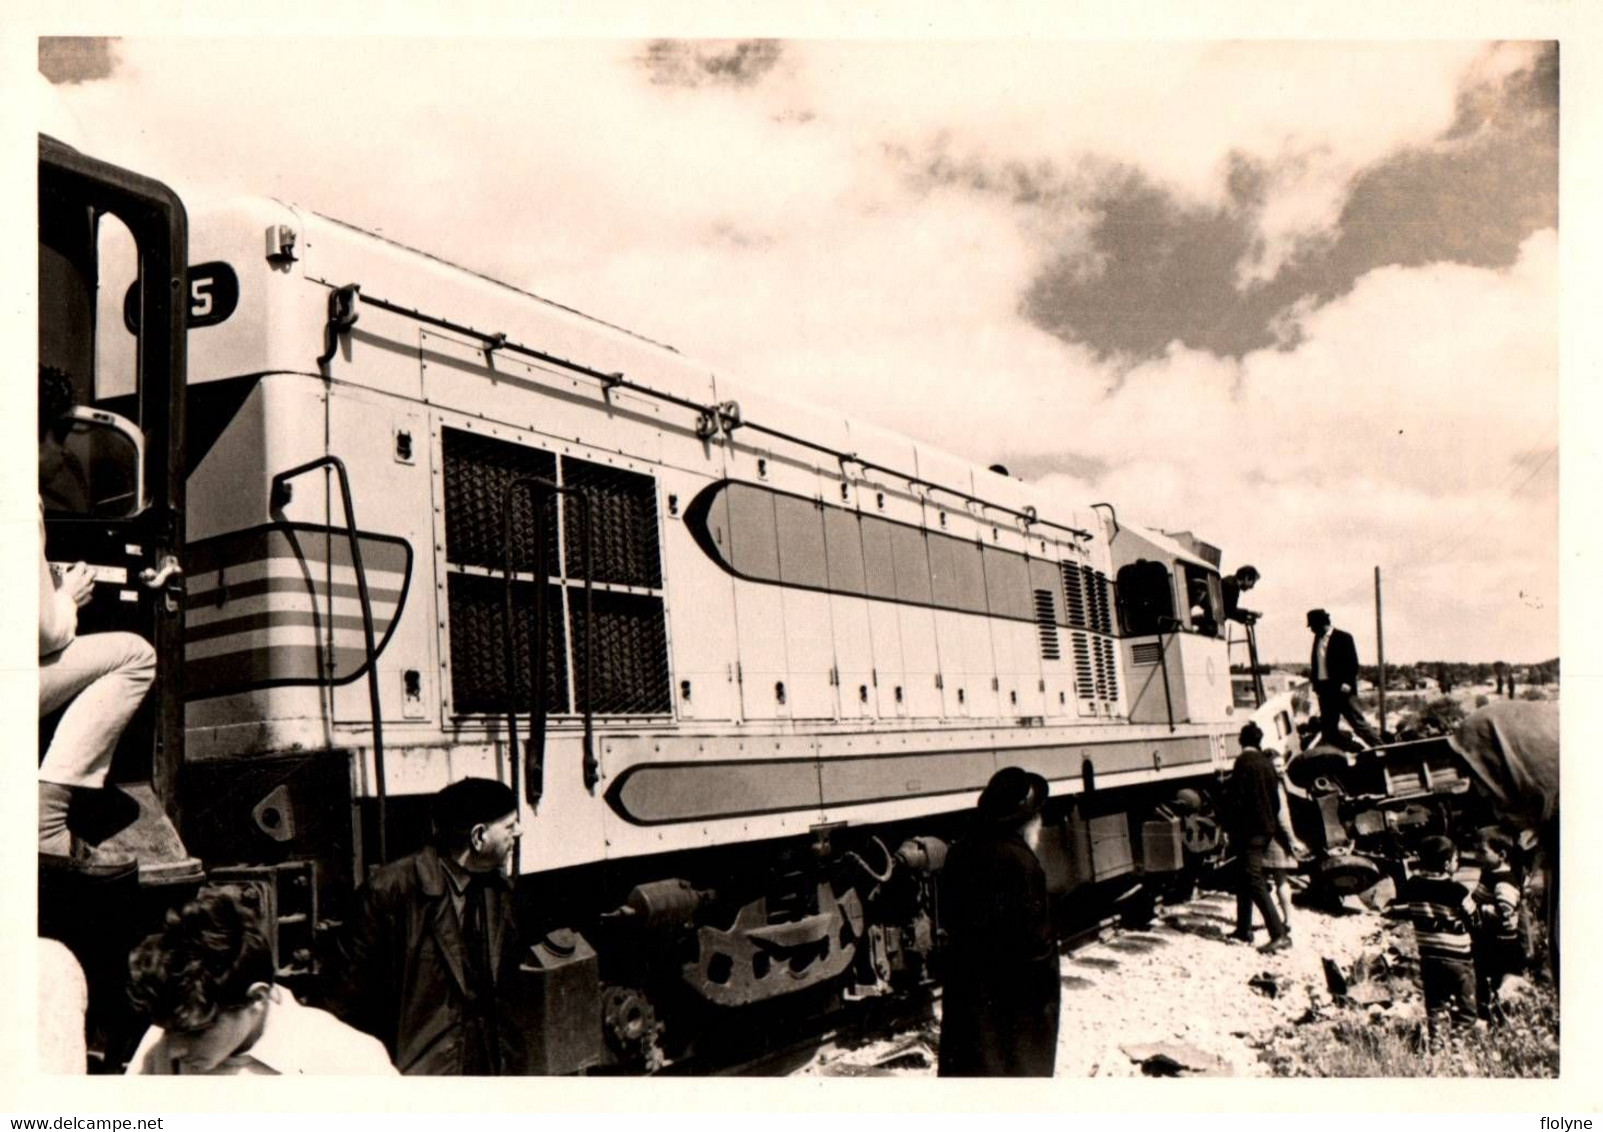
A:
{"x":1413,"y":427}
{"x":696,"y":63}
{"x":1288,"y":296}
{"x":77,"y":59}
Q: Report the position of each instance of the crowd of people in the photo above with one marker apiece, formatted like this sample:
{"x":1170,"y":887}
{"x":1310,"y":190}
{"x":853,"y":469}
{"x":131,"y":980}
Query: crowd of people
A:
{"x":423,"y":972}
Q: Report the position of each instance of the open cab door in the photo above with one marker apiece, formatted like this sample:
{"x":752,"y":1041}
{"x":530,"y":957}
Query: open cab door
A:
{"x":115,"y":500}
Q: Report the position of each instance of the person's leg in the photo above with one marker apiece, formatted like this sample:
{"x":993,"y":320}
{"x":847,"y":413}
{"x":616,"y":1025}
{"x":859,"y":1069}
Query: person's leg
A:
{"x":1348,"y":704}
{"x":1283,"y":898}
{"x":1461,"y":990}
{"x":105,"y":676}
{"x":1435,"y":984}
{"x":1329,"y":714}
{"x":1258,"y":885}
{"x":1243,"y":930}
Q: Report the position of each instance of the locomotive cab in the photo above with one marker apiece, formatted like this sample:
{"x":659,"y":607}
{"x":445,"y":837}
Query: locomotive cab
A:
{"x":1174,"y":646}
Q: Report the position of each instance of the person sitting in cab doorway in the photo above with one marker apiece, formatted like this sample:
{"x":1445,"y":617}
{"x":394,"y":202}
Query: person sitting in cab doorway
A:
{"x":434,"y":944}
{"x":1254,"y":822}
{"x":102,"y":676}
{"x":206,"y":984}
{"x":999,"y":1014}
{"x":1333,"y":668}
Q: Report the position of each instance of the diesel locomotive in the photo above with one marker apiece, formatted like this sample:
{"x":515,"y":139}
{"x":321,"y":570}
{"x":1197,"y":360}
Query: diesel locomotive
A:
{"x":746,"y":662}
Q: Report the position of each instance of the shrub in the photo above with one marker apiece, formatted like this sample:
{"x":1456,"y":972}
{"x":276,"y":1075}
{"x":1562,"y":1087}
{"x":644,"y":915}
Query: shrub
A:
{"x":1533,"y":694}
{"x":1482,"y":700}
{"x":1438,"y":716}
{"x":1525,"y":1044}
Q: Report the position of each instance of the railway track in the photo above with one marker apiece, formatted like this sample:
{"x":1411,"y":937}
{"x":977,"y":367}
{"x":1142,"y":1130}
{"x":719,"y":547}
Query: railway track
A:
{"x":897,"y":1021}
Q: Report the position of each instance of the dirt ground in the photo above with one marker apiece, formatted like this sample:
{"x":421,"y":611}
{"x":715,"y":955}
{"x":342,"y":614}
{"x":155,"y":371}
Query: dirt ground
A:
{"x":1174,"y":998}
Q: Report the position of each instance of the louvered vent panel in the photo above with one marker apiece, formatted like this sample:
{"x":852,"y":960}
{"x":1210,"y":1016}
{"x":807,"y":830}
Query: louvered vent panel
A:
{"x":1110,"y":661}
{"x":1046,"y":625}
{"x":630,"y":653}
{"x":477,"y":470}
{"x":1098,"y":608}
{"x":1148,"y":652}
{"x":477,"y":608}
{"x":623,"y":527}
{"x":1084,"y":671}
{"x":1073,"y":596}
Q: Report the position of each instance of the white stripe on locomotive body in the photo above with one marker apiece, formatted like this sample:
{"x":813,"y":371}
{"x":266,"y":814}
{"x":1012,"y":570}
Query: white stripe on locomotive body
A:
{"x":348,"y":638}
{"x":862,"y":678}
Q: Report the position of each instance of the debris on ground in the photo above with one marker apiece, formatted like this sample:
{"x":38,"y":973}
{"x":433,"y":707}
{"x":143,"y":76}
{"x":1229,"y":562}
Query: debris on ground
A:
{"x":1175,"y":1059}
{"x":1265,"y":983}
{"x":1182,"y":998}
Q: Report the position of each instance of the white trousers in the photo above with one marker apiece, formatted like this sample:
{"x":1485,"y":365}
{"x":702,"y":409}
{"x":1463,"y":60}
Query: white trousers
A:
{"x":109,"y":674}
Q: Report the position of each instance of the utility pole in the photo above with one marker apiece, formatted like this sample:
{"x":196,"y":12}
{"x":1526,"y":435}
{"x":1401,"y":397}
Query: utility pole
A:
{"x":1380,"y":653}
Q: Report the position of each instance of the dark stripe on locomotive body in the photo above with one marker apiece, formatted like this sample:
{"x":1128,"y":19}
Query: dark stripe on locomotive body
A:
{"x":671,"y":792}
{"x":698,"y":521}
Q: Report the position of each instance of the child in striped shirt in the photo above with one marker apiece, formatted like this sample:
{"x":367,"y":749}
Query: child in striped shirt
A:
{"x":1498,"y":947}
{"x":1442,"y":912}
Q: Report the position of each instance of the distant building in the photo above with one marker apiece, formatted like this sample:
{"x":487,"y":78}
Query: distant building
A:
{"x":1274,"y":683}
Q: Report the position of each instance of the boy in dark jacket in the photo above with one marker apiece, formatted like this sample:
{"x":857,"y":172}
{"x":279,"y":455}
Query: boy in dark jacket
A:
{"x":1443,"y":915}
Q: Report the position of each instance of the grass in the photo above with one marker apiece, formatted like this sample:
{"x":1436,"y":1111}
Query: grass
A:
{"x":1524,"y":1045}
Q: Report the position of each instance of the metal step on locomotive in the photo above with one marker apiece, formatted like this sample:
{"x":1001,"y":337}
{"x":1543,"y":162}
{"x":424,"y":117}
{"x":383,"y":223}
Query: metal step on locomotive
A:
{"x":745,"y":662}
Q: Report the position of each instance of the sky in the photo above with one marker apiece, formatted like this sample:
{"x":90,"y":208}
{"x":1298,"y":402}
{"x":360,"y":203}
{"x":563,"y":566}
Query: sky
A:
{"x":1300,"y":298}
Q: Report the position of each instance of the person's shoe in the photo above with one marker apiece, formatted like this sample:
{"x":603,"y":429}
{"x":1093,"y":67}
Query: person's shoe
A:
{"x":1279,"y":943}
{"x":1240,"y":937}
{"x":92,"y":861}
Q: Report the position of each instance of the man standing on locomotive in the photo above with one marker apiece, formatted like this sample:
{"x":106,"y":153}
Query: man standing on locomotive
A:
{"x":1333,"y":668}
{"x":434,"y":945}
{"x":999,"y":1014}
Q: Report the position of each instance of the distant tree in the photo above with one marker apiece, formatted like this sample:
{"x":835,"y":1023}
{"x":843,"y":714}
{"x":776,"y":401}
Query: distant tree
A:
{"x":1437,"y":717}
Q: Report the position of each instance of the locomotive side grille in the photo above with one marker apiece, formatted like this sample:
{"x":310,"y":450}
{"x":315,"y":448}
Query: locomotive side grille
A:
{"x":623,"y":528}
{"x":629,"y":648}
{"x":1109,"y":669}
{"x":1096,"y":597}
{"x":1046,"y":625}
{"x":478,"y":654}
{"x":1147,"y":652}
{"x":476,"y":471}
{"x":631,"y":653}
{"x":1084,"y":673}
{"x":1073,"y":596}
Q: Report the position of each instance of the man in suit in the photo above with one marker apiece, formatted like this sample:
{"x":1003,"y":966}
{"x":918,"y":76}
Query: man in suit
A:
{"x":1333,"y":666}
{"x":434,"y":948}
